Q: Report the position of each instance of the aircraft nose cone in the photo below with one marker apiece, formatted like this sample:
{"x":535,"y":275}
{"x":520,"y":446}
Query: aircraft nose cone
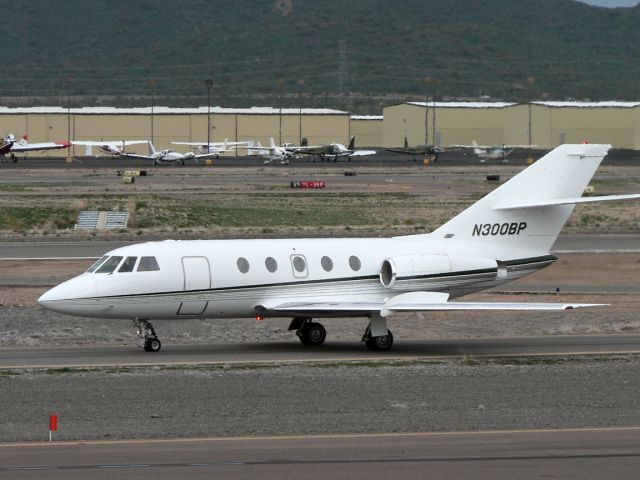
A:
{"x":68,"y":296}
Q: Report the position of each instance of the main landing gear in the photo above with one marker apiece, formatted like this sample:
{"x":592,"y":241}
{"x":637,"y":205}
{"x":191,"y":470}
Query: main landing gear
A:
{"x":147,"y":335}
{"x":310,"y":333}
{"x":377,"y":336}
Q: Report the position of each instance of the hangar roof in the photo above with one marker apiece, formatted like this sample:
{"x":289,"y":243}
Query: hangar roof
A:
{"x":367,"y":117}
{"x":611,"y":104}
{"x":462,"y":104}
{"x":158,"y":110}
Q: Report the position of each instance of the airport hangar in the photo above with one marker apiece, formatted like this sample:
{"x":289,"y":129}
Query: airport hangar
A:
{"x":545,"y":124}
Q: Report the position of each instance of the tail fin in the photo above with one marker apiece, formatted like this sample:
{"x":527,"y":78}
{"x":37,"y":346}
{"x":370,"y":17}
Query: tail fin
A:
{"x":304,"y":142}
{"x":152,"y":149}
{"x":525,"y":214}
{"x":476,"y":149}
{"x":352,"y":142}
{"x":406,"y":143}
{"x":272,"y":143}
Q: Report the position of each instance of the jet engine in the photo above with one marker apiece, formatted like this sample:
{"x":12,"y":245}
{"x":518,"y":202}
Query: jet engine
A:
{"x":409,"y":272}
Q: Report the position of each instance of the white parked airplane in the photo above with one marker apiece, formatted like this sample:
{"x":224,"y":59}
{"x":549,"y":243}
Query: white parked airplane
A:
{"x":502,"y":237}
{"x":169,"y":156}
{"x":273,"y":153}
{"x":484,"y":152}
{"x":110,"y":147}
{"x":215,"y":147}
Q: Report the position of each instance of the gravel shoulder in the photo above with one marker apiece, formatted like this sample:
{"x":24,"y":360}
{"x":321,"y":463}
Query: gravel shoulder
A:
{"x":295,"y":399}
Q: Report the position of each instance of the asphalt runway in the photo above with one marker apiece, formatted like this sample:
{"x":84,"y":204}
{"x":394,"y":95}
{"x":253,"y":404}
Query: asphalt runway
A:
{"x":332,"y":351}
{"x":95,"y":248}
{"x":518,"y":454}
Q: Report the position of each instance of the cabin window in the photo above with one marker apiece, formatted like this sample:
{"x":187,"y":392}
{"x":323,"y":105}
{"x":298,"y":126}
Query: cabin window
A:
{"x":93,"y":267}
{"x":299,"y":264}
{"x":271,"y":264}
{"x":354,"y":263}
{"x":243,"y":265}
{"x":128,"y":264}
{"x":148,"y":264}
{"x":327,"y":264}
{"x":110,"y":265}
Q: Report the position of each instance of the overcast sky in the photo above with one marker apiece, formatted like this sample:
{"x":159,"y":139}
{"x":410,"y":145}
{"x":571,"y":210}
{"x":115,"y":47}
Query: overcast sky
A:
{"x":612,"y":3}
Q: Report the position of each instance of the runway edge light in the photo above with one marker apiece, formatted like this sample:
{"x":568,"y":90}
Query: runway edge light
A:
{"x":53,"y":424}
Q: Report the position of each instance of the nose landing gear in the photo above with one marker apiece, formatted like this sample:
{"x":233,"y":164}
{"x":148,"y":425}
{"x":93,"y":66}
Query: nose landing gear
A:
{"x":149,"y":340}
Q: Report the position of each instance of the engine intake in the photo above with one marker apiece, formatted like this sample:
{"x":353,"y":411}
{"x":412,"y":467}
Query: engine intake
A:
{"x":416,"y":271}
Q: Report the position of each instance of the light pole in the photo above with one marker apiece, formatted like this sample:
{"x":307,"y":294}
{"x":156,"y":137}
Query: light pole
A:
{"x":280,"y":83}
{"x":427,"y":81}
{"x":209,"y":83}
{"x":67,"y":84}
{"x":301,"y":85}
{"x":152,"y":86}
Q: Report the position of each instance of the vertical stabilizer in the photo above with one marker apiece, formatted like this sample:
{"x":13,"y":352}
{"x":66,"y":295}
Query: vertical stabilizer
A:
{"x":497,"y":221}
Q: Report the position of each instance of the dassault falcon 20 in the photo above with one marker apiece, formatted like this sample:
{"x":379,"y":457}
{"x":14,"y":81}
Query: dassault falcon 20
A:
{"x":502,"y":237}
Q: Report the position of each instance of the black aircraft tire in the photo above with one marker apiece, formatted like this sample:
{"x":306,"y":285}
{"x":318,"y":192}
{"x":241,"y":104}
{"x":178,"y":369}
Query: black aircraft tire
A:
{"x":152,"y":345}
{"x":381,"y":343}
{"x":313,"y":334}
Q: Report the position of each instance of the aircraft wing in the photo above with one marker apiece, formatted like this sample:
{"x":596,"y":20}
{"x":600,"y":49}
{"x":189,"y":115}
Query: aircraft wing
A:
{"x":212,"y":144}
{"x":313,"y":150}
{"x":414,"y":302}
{"x":360,"y":153}
{"x":208,"y":155}
{"x":135,"y":155}
{"x":31,"y":147}
{"x":116,"y":143}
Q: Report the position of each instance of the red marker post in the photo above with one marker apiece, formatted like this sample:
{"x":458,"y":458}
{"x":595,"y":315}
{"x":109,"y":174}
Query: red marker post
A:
{"x":53,"y":424}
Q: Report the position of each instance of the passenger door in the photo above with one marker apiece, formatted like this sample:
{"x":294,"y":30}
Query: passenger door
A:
{"x":197,"y":276}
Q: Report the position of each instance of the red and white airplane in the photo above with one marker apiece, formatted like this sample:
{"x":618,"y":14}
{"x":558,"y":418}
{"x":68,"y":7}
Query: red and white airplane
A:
{"x":8,"y":145}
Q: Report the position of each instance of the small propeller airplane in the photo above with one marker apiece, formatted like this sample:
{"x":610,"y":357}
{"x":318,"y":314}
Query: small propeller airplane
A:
{"x":502,"y":237}
{"x":333,"y":151}
{"x":110,"y":147}
{"x":9,"y":145}
{"x":484,"y":152}
{"x":282,"y":154}
{"x":169,"y":156}
{"x":215,"y":147}
{"x":434,"y":150}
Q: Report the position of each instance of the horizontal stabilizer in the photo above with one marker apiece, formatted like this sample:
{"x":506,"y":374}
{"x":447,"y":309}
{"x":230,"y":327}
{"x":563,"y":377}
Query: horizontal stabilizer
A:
{"x":564,"y":201}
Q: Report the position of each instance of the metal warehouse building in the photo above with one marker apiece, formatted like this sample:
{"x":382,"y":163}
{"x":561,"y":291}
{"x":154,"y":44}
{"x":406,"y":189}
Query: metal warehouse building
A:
{"x":164,"y":124}
{"x":545,"y":124}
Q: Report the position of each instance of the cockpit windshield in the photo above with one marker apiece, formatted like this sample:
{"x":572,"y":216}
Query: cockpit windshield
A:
{"x":128,"y":264}
{"x":93,"y":267}
{"x":110,"y":265}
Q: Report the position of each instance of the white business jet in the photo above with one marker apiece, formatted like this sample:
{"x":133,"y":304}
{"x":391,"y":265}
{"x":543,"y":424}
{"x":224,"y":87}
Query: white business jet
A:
{"x":502,"y":237}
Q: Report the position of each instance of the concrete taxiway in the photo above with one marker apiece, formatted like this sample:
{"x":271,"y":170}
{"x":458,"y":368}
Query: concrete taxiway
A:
{"x":335,"y":351}
{"x":516,"y":454}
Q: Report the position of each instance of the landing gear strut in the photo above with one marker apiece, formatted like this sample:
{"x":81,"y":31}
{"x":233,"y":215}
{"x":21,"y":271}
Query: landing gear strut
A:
{"x":147,"y":335}
{"x":310,"y":333}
